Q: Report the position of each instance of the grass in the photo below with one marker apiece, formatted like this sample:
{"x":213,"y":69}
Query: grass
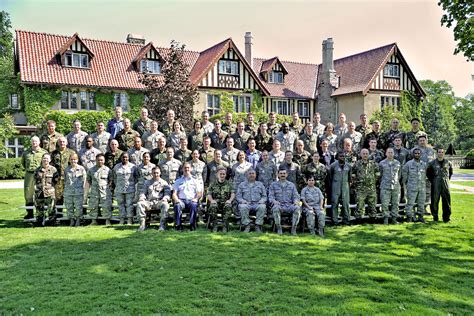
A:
{"x":463,"y":171}
{"x":464,"y":183}
{"x":409,"y":269}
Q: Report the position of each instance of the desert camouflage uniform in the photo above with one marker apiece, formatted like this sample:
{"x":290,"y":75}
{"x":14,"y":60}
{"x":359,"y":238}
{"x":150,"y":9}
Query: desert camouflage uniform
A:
{"x":150,"y":140}
{"x":136,"y":155}
{"x":48,"y":142}
{"x":143,"y":174}
{"x":100,"y":194}
{"x":155,"y":196}
{"x":390,"y":187}
{"x":252,"y":196}
{"x":74,"y":180}
{"x":365,"y":176}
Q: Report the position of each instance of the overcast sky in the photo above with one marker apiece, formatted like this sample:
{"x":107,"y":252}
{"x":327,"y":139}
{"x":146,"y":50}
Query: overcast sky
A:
{"x":292,"y":30}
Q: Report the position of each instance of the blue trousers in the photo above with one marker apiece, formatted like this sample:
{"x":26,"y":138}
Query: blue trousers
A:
{"x":183,"y":205}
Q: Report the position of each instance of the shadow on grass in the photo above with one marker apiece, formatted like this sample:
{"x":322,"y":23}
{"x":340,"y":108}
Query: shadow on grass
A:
{"x":363,"y":269}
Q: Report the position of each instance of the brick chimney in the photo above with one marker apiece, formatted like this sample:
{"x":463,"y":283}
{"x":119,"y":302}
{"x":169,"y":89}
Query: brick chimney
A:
{"x":328,"y":82}
{"x":135,"y":39}
{"x":248,"y":48}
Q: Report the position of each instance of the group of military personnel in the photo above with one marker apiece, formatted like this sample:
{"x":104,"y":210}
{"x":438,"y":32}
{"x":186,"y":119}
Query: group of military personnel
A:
{"x":269,"y":169}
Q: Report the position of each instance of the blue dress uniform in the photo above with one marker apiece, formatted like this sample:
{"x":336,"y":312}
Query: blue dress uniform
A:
{"x":187,"y":189}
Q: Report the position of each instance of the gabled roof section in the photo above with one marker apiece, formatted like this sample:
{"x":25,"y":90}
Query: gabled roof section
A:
{"x":144,"y":50}
{"x":300,"y":82}
{"x":209,"y":57}
{"x":75,"y":37}
{"x":268,"y":64}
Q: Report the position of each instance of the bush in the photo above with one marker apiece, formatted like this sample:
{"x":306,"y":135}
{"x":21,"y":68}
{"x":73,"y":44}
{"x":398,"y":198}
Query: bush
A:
{"x":11,"y":168}
{"x":259,"y":117}
{"x":470,"y":154}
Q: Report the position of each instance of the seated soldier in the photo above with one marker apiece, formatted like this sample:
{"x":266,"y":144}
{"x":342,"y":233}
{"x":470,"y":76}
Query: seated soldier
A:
{"x":154,"y":196}
{"x":252,"y":196}
{"x":284,"y":198}
{"x":313,"y":204}
{"x":187,"y":191}
{"x":220,"y":196}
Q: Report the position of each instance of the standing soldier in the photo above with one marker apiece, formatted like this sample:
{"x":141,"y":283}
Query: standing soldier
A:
{"x":375,"y":134}
{"x":143,"y":174}
{"x":284,"y":197}
{"x":365,"y":174}
{"x":126,"y":137}
{"x":49,"y":140}
{"x":341,"y":126}
{"x":76,"y":140}
{"x":214,"y":165}
{"x":150,"y":137}
{"x":99,"y":179}
{"x":240,"y":137}
{"x":295,"y":124}
{"x":207,"y":125}
{"x":124,"y":184}
{"x":218,"y":136}
{"x":364,"y":128}
{"x":402,"y":155}
{"x":155,"y":195}
{"x":206,"y":153}
{"x":46,"y":177}
{"x":240,"y":169}
{"x":143,"y":124}
{"x":318,"y":171}
{"x":309,"y":139}
{"x":167,"y":126}
{"x":390,"y":171}
{"x":198,"y":167}
{"x":273,"y":126}
{"x":31,"y":160}
{"x":101,"y":138}
{"x":318,"y":128}
{"x":263,"y":139}
{"x":286,"y":137}
{"x":266,"y":170}
{"x":411,"y":139}
{"x":169,"y":167}
{"x":253,"y":155}
{"x":115,"y":125}
{"x":375,"y":154}
{"x":228,"y":126}
{"x":252,"y":196}
{"x":159,"y":153}
{"x":251,"y":127}
{"x":427,"y":155}
{"x":313,"y":205}
{"x":230,"y":153}
{"x":293,"y":170}
{"x":439,"y":173}
{"x":136,"y":152}
{"x":183,"y":154}
{"x":353,"y":135}
{"x":388,"y":137}
{"x":414,"y":180}
{"x":74,"y":179}
{"x":339,"y":177}
{"x":277,"y":155}
{"x":220,"y":196}
{"x":60,"y":160}
{"x":301,"y":156}
{"x":112,"y":156}
{"x":88,"y":154}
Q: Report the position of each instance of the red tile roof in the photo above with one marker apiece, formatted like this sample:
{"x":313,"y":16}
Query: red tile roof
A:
{"x":267,"y":65}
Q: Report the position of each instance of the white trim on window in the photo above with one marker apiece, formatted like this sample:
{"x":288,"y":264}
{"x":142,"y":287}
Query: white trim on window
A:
{"x":303,"y":109}
{"x":281,"y":107}
{"x":82,"y":100}
{"x":275,"y":77}
{"x":150,"y":66}
{"x":77,"y":60}
{"x":213,"y":104}
{"x":16,"y":147}
{"x":242,"y":103}
{"x":14,"y":101}
{"x":391,"y":70}
{"x":228,"y":67}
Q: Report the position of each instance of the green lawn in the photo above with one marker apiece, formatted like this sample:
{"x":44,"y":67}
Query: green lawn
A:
{"x":405,"y":269}
{"x":465,"y":171}
{"x":464,"y":183}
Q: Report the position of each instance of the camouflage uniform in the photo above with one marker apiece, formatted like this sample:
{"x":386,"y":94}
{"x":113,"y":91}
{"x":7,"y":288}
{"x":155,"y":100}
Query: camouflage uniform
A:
{"x":76,"y":141}
{"x":240,"y":141}
{"x":150,"y":140}
{"x":266,"y":173}
{"x":155,"y":196}
{"x":218,"y":140}
{"x":87,"y":157}
{"x":411,"y":139}
{"x":112,"y":159}
{"x":402,"y":155}
{"x":376,"y":155}
{"x":365,"y":175}
{"x":332,"y":142}
{"x":206,"y":155}
{"x":60,"y":160}
{"x":287,"y":140}
{"x":318,"y":130}
{"x":294,"y":172}
{"x":239,"y":173}
{"x":273,"y":129}
{"x":296,"y":128}
{"x":143,"y":174}
{"x":45,"y":180}
{"x":284,"y":198}
{"x":199,"y":171}
{"x":124,"y":182}
{"x":101,"y":142}
{"x":313,"y":196}
{"x":170,"y":170}
{"x":100,"y":194}
{"x":229,"y":129}
{"x":319,"y":172}
{"x":136,"y":155}
{"x":212,"y":170}
{"x":74,"y":180}
{"x":230,"y":155}
{"x":414,"y":179}
{"x":48,"y":142}
{"x":252,"y":129}
{"x":351,"y":157}
{"x":220,"y":192}
{"x":166,"y":128}
{"x":251,"y":196}
{"x":263,"y":142}
{"x":183,"y":155}
{"x":427,"y":155}
{"x":126,"y":139}
{"x":376,"y":136}
{"x":390,"y":187}
{"x":277,"y":158}
{"x":340,"y":129}
{"x":364,"y":130}
{"x":31,"y":160}
{"x":387,"y":138}
{"x":310,"y":142}
{"x":439,"y":173}
{"x":141,"y":127}
{"x":356,"y":139}
{"x":157,"y":155}
{"x":302,"y":159}
{"x":339,"y":178}
{"x":174,"y":139}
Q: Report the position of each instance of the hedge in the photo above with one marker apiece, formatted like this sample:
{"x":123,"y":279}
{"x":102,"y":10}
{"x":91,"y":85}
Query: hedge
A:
{"x":11,"y":168}
{"x":259,"y":117}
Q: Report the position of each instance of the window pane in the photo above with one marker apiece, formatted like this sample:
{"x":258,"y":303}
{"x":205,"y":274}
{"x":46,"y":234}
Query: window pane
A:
{"x":124,"y":101}
{"x":270,"y":76}
{"x":64,"y":100}
{"x":92,"y":105}
{"x":75,"y":60}
{"x":14,"y":101}
{"x":85,"y":61}
{"x":84,"y":100}
{"x":68,"y":59}
{"x":74,"y":100}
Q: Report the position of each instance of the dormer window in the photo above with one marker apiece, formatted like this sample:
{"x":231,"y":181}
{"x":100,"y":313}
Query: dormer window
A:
{"x":275,"y":77}
{"x":150,"y":66}
{"x":72,"y":59}
{"x":228,"y":67}
{"x":391,"y":70}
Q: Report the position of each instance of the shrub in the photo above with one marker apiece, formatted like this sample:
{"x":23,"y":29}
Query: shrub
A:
{"x":259,"y":117}
{"x":11,"y":168}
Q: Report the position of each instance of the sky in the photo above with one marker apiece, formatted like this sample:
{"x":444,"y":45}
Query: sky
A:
{"x":290,"y":29}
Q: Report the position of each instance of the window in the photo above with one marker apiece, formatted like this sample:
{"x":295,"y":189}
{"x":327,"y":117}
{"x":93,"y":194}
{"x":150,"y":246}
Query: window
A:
{"x":150,"y":66}
{"x":82,"y":100}
{"x":242,"y":103}
{"x":14,"y":102}
{"x":275,"y":77}
{"x":303,"y":109}
{"x":15,"y":147}
{"x":121,"y":99}
{"x":391,"y":70}
{"x":281,"y":107}
{"x":213,"y":104}
{"x":390,"y":100}
{"x":228,"y":67}
{"x":72,"y":59}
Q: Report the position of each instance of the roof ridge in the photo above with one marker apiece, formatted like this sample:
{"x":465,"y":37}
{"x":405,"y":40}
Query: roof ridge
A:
{"x":287,"y":61}
{"x":366,"y":51}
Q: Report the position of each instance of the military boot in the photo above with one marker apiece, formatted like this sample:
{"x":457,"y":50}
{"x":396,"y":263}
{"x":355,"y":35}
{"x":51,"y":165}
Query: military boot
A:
{"x":224,"y":229}
{"x":142,"y":225}
{"x":78,"y":222}
{"x":214,"y":229}
{"x":122,"y":221}
{"x":321,"y":232}
{"x":421,"y":220}
{"x":129,"y":221}
{"x":162,"y":225}
{"x":107,"y":222}
{"x":71,"y":223}
{"x":385,"y":220}
{"x":312,"y":231}
{"x":29,"y":214}
{"x":279,"y":230}
{"x":293,"y":230}
{"x":247,"y":229}
{"x":394,"y":221}
{"x":258,"y":228}
{"x":94,"y":222}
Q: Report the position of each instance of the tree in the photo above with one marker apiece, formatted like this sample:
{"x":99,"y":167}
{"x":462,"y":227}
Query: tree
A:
{"x":8,"y":82}
{"x":437,"y":112}
{"x":385,"y":116}
{"x":171,"y":90}
{"x":7,"y":130}
{"x":464,"y":115}
{"x":460,"y":12}
{"x":6,"y":36}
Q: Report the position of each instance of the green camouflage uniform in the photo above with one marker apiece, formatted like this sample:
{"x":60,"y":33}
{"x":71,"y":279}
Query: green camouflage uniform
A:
{"x":220,"y":192}
{"x":206,"y":155}
{"x":414,"y":179}
{"x":74,"y":180}
{"x":390,"y":172}
{"x":48,"y":142}
{"x":364,"y":130}
{"x":301,"y":158}
{"x":141,"y":127}
{"x":263,"y":142}
{"x":100,"y":194}
{"x":229,"y":129}
{"x":31,"y":160}
{"x":212,"y":170}
{"x":218,"y":139}
{"x":157,"y":155}
{"x":60,"y":160}
{"x":365,"y":175}
{"x":126,"y":139}
{"x":313,"y":196}
{"x":252,"y":129}
{"x":310,"y":142}
{"x":45,"y":180}
{"x":252,"y":196}
{"x":376,"y":155}
{"x":240,"y":141}
{"x":183,"y":155}
{"x":411,"y":139}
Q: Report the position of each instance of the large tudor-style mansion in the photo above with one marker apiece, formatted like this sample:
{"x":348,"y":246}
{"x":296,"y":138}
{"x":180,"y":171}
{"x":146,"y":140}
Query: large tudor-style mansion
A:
{"x":360,"y":83}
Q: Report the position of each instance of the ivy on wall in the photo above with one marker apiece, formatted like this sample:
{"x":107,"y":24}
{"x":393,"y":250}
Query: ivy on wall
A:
{"x":38,"y":102}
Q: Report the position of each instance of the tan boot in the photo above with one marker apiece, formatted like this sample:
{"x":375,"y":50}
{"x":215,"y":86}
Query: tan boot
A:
{"x":142,"y":225}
